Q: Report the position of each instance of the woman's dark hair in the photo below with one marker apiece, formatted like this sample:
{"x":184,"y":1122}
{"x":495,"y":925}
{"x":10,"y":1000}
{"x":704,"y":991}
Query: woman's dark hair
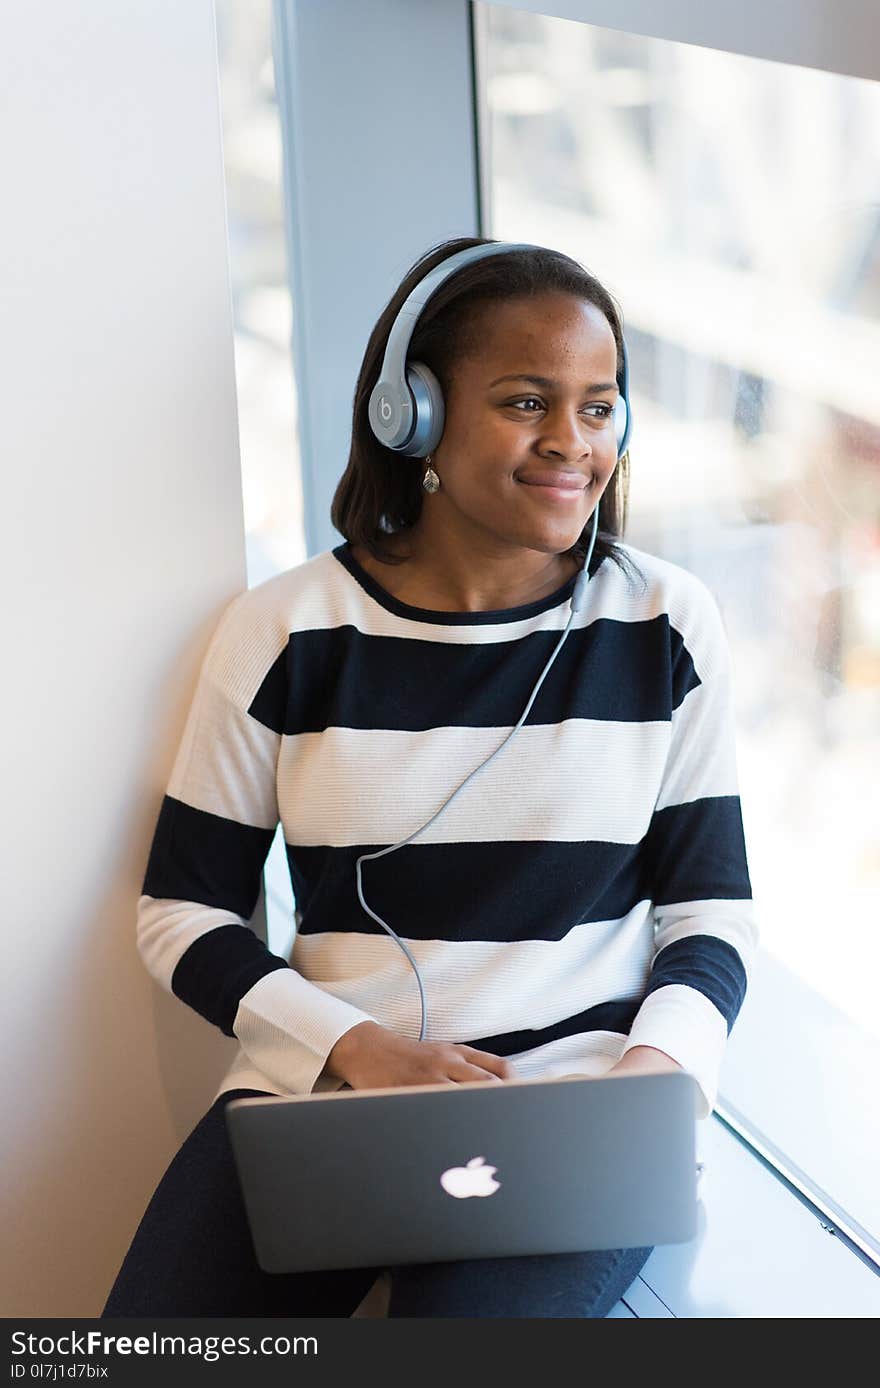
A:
{"x":381,"y":490}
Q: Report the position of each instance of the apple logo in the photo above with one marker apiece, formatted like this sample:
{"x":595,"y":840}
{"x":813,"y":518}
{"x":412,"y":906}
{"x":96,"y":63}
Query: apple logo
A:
{"x":474,"y":1179}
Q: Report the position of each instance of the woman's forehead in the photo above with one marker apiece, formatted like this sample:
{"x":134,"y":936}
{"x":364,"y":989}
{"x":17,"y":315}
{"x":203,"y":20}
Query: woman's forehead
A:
{"x":560,"y":315}
{"x":567,"y":339}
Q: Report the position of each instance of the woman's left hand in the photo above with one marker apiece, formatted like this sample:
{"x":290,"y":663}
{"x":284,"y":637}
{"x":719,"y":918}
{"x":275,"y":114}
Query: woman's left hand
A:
{"x":643,"y":1060}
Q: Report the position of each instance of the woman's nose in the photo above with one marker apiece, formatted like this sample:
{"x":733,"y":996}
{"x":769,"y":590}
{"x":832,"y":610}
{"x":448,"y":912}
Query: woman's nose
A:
{"x":568,"y":437}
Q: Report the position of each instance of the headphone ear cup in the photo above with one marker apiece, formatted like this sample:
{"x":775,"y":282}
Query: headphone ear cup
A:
{"x":429,"y":411}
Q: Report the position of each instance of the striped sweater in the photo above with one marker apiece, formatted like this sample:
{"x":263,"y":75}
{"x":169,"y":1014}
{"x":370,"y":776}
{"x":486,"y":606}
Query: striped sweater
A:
{"x":587,"y":893}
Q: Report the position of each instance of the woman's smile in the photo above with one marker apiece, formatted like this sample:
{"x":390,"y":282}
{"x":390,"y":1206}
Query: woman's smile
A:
{"x":560,"y":487}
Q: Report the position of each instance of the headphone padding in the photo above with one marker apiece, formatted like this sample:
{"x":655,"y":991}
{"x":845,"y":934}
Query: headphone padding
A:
{"x":429,"y":411}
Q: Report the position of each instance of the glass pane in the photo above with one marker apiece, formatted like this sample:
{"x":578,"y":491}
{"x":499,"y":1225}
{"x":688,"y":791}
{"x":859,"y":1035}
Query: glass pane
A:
{"x":730,"y":205}
{"x":270,"y":470}
{"x":262,"y":315}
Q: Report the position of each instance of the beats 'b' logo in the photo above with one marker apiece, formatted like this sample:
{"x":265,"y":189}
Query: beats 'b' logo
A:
{"x":384,"y":409}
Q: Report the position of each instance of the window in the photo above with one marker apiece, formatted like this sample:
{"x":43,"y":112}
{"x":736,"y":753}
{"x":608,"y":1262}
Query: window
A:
{"x":729,"y":204}
{"x":261,"y":300}
{"x":262,"y":317}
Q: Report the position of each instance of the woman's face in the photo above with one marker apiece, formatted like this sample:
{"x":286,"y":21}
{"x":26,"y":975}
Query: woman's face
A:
{"x":502,"y":437}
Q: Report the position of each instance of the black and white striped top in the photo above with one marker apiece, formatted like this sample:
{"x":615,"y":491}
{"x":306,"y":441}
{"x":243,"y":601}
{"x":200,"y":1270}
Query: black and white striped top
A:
{"x":588,"y":892}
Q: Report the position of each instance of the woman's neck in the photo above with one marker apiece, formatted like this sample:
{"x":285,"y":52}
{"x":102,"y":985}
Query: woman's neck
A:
{"x":420,"y":584}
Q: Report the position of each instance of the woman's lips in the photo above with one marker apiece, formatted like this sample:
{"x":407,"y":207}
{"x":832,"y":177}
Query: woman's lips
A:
{"x":550,"y":486}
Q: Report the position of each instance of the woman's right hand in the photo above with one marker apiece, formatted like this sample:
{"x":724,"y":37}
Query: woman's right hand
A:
{"x":370,"y":1056}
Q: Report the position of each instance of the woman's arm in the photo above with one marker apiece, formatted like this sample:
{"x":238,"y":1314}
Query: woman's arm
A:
{"x":696,"y":865}
{"x":216,"y":824}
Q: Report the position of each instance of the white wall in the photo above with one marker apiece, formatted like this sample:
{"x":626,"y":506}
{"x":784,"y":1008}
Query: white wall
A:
{"x":122,"y":538}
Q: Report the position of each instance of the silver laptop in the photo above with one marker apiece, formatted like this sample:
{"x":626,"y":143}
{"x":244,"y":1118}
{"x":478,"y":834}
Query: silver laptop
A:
{"x":426,"y":1173}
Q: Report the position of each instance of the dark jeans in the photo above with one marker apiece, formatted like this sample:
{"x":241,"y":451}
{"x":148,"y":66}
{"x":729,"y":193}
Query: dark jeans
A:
{"x":192,"y":1255}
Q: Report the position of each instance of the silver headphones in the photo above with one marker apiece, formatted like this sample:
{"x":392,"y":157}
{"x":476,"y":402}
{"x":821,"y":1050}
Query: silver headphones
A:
{"x":407,"y":414}
{"x":406,"y":408}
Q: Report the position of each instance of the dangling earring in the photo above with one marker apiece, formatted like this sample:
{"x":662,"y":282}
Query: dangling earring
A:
{"x":430,"y":481}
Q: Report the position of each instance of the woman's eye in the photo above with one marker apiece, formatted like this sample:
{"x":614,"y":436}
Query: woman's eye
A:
{"x":533,"y":399}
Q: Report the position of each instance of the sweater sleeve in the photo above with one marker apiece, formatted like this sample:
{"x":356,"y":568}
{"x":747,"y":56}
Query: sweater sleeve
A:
{"x":216,"y":823}
{"x":695,"y":856}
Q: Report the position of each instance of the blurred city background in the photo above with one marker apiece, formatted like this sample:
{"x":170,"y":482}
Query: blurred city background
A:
{"x":731,"y":206}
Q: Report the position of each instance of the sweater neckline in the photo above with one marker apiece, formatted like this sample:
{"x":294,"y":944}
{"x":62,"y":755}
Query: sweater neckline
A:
{"x":439,"y":616}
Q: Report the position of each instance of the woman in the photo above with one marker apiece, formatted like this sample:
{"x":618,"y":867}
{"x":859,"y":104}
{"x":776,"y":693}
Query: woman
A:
{"x":586,"y":909}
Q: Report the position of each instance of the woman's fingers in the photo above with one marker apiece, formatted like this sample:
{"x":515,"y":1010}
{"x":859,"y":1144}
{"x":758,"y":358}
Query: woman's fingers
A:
{"x":495,"y":1064}
{"x":467,"y":1074}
